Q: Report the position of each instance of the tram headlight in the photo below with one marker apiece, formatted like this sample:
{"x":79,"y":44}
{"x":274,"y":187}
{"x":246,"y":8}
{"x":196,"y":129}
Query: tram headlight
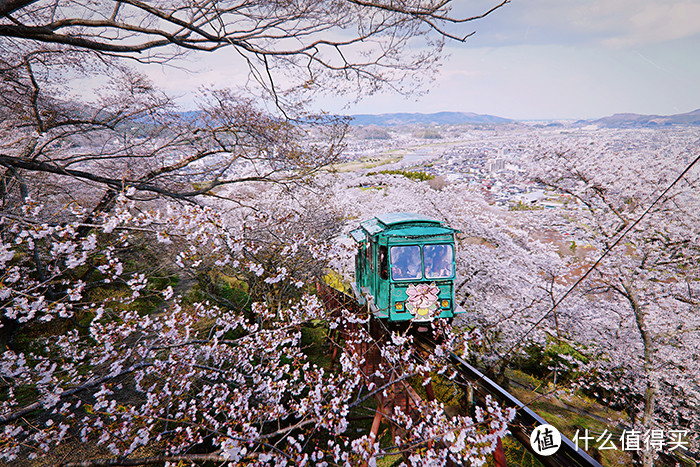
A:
{"x":445,"y":303}
{"x":399,"y":306}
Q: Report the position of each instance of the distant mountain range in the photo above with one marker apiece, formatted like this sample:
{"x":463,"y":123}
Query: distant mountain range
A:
{"x":636,"y":120}
{"x":623,"y":120}
{"x":439,"y":118}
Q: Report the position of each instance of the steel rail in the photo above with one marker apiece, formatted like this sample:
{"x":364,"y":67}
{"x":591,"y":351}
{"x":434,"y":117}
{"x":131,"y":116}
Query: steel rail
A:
{"x":568,"y":454}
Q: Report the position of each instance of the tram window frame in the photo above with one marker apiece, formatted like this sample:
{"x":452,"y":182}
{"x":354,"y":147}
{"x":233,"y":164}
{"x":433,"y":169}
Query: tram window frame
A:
{"x":395,"y":267}
{"x":436,"y":258}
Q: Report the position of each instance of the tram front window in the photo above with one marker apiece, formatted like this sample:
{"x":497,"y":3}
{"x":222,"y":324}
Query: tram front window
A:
{"x":406,"y":262}
{"x":438,"y":261}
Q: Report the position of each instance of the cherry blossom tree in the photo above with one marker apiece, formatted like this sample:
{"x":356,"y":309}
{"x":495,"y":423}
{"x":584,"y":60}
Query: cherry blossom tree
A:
{"x":130,"y":135}
{"x":643,"y":295}
{"x":288,"y":47}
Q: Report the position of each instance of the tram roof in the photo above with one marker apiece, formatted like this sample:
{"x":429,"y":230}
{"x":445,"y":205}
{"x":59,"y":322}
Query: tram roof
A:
{"x":399,"y":224}
{"x":395,"y":218}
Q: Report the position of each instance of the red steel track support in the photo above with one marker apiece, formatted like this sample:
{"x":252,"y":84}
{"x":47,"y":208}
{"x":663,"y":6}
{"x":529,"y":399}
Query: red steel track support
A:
{"x":398,"y":394}
{"x":499,"y":455}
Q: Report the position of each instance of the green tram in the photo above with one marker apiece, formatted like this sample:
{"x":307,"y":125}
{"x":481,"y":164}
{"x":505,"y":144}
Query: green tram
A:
{"x":405,"y":268}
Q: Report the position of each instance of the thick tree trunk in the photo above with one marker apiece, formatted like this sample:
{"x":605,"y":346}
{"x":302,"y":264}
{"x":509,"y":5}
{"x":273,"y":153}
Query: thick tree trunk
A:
{"x":652,"y":383}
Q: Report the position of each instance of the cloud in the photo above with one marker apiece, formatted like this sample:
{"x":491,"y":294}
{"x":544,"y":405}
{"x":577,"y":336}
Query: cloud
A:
{"x":618,"y":23}
{"x":184,"y":77}
{"x":658,"y":22}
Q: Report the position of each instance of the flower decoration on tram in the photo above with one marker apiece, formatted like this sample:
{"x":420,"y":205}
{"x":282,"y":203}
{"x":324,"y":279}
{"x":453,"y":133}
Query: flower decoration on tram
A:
{"x":422,"y":300}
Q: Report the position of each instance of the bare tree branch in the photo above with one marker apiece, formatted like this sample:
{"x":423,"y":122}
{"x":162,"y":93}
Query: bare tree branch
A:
{"x":190,"y":458}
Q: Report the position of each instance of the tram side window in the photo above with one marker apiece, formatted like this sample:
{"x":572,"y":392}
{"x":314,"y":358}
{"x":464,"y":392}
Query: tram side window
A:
{"x":438,"y":261}
{"x":406,"y":262}
{"x":383,"y":262}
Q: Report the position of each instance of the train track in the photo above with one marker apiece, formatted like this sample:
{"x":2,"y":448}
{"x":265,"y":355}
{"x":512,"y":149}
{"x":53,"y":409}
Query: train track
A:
{"x":526,"y":420}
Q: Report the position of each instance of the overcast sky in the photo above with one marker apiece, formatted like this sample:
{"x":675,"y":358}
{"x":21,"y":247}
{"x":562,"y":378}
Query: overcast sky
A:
{"x":548,"y":59}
